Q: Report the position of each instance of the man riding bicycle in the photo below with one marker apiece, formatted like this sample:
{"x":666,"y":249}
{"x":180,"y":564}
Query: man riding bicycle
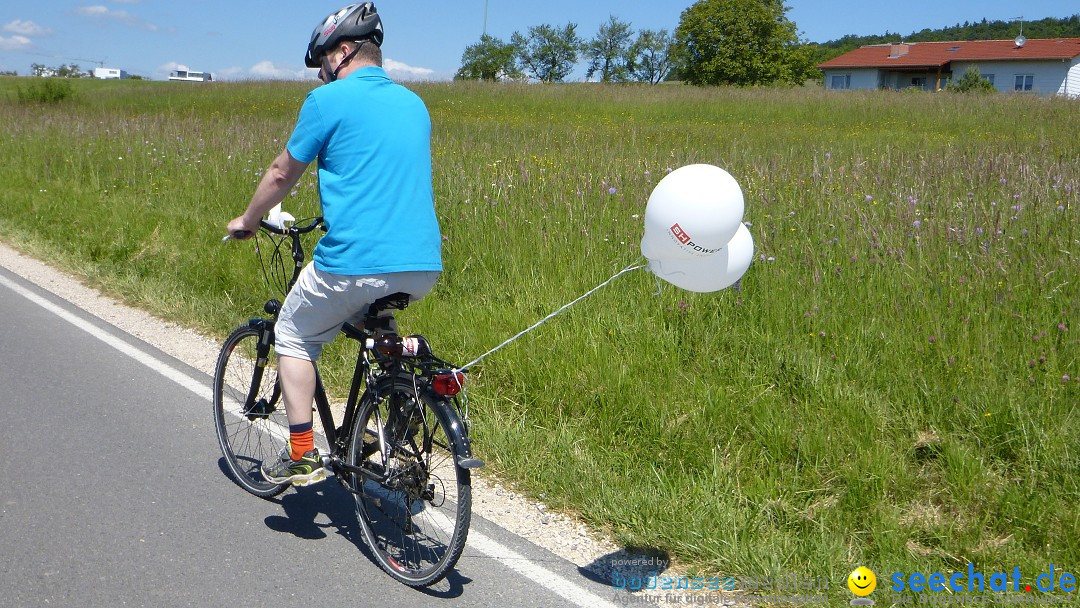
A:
{"x":372,"y":138}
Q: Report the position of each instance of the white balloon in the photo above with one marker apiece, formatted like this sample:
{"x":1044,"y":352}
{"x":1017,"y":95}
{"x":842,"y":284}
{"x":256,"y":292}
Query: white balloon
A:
{"x":692,"y":213}
{"x":711,"y":273}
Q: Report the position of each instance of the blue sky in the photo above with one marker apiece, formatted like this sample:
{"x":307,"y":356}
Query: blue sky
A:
{"x":241,"y":39}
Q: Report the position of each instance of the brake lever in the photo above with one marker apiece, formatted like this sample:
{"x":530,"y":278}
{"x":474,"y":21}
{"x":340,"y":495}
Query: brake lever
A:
{"x":238,"y":235}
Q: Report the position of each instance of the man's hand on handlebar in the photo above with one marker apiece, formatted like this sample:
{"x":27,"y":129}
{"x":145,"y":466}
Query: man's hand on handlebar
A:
{"x":240,"y":228}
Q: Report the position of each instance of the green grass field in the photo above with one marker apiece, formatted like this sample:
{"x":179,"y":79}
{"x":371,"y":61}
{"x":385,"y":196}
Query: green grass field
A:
{"x":893,"y":384}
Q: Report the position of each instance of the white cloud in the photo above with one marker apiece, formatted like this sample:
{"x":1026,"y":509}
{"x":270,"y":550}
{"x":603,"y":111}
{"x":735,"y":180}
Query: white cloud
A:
{"x":403,"y":71}
{"x":26,"y":28}
{"x":93,"y":11}
{"x":267,"y":69}
{"x":100,"y":11}
{"x":163,"y":70}
{"x":14,"y":43}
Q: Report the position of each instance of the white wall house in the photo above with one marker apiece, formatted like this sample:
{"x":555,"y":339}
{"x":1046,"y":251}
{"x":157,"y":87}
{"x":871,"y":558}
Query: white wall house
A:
{"x":186,"y":75}
{"x":1043,"y":66}
{"x":109,"y":73}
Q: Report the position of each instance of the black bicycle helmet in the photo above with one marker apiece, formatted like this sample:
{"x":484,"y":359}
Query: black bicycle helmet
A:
{"x":359,"y":21}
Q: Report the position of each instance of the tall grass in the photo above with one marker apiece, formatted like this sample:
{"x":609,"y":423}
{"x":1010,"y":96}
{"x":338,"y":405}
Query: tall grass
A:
{"x":893,"y":383}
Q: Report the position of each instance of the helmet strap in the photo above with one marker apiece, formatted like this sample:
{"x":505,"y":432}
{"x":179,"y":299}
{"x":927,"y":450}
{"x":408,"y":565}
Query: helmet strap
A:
{"x":332,"y":75}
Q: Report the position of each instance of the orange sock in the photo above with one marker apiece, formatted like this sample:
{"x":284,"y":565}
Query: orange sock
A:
{"x":301,"y":439}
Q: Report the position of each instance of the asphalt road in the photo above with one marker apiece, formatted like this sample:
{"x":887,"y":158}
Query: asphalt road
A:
{"x":113,"y":493}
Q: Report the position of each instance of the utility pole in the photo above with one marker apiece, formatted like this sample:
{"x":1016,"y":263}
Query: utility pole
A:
{"x":485,"y":17}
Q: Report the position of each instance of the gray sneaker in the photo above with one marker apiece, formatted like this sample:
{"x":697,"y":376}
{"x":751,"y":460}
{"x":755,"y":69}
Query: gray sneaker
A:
{"x":308,"y":469}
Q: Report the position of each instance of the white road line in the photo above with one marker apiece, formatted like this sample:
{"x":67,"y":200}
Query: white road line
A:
{"x":567,"y":589}
{"x":201,"y":390}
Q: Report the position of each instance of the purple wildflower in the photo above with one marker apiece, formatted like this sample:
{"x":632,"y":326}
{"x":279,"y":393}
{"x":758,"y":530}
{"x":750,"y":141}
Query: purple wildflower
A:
{"x":611,"y":190}
{"x":916,"y":223}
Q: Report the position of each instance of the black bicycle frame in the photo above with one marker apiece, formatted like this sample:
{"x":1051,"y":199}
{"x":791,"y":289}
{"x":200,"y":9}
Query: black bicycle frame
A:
{"x":457,"y":434}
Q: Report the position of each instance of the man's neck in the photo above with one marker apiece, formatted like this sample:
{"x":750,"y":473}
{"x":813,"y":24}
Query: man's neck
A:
{"x":355,"y":64}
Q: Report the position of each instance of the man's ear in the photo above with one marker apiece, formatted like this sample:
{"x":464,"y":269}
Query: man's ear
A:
{"x":344,"y":49}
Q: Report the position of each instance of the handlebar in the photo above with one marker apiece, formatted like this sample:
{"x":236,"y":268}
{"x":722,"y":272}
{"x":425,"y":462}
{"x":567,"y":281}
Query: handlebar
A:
{"x":316,"y":222}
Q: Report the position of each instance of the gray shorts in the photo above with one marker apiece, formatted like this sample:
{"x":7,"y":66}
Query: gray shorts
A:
{"x":321,"y":301}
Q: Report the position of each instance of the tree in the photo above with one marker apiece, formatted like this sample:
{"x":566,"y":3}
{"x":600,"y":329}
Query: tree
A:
{"x":608,"y":52}
{"x":548,"y":53}
{"x":63,"y":71}
{"x":650,"y":56}
{"x":741,"y":42}
{"x":971,"y":82}
{"x":490,"y":59}
{"x":71,"y":70}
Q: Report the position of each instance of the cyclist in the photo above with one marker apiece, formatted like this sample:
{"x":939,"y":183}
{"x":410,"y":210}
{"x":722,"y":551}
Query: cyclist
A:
{"x":372,"y":139}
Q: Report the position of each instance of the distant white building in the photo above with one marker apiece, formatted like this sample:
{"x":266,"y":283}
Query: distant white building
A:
{"x":1041,"y":66}
{"x":110,"y":73}
{"x":185,"y":75}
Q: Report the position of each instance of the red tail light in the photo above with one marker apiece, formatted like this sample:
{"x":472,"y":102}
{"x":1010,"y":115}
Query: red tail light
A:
{"x":448,"y":384}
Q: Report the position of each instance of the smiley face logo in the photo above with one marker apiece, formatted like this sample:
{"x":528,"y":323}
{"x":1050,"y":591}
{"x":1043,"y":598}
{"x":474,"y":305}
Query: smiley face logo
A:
{"x":862,"y":581}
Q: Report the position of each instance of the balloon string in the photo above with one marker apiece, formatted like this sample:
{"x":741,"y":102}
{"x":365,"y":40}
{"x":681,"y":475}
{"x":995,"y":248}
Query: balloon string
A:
{"x":549,"y":317}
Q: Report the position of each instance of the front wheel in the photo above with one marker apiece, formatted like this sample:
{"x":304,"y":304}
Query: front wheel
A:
{"x":249,"y":414}
{"x":415,"y":517}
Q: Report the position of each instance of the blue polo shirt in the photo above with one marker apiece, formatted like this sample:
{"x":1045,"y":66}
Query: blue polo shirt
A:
{"x":373,"y":141}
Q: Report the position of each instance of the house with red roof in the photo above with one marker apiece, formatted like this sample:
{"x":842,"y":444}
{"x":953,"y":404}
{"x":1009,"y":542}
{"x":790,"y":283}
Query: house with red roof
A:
{"x":1043,"y":66}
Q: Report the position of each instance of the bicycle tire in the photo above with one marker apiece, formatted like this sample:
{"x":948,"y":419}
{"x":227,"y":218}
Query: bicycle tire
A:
{"x":249,"y":435}
{"x":416,"y":540}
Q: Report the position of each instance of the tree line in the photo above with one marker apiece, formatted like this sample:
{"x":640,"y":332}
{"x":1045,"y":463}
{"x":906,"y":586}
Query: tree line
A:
{"x":737,"y":42}
{"x":550,"y":53}
{"x":743,"y":42}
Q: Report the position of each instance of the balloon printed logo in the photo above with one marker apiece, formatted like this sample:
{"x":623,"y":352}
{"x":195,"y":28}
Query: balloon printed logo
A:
{"x":694,"y":234}
{"x":680,"y":235}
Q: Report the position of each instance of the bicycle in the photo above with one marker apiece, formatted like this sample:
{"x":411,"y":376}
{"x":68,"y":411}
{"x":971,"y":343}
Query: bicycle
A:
{"x":402,"y":449}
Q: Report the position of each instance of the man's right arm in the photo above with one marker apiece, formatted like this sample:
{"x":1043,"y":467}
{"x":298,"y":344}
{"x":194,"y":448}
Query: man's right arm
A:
{"x":280,"y":177}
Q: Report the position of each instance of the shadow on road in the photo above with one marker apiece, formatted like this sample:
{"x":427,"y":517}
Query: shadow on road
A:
{"x":312,"y":510}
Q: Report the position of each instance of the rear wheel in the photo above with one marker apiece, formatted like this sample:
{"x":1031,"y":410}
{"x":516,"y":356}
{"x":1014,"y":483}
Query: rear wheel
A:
{"x":248,"y":411}
{"x":416,"y":517}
